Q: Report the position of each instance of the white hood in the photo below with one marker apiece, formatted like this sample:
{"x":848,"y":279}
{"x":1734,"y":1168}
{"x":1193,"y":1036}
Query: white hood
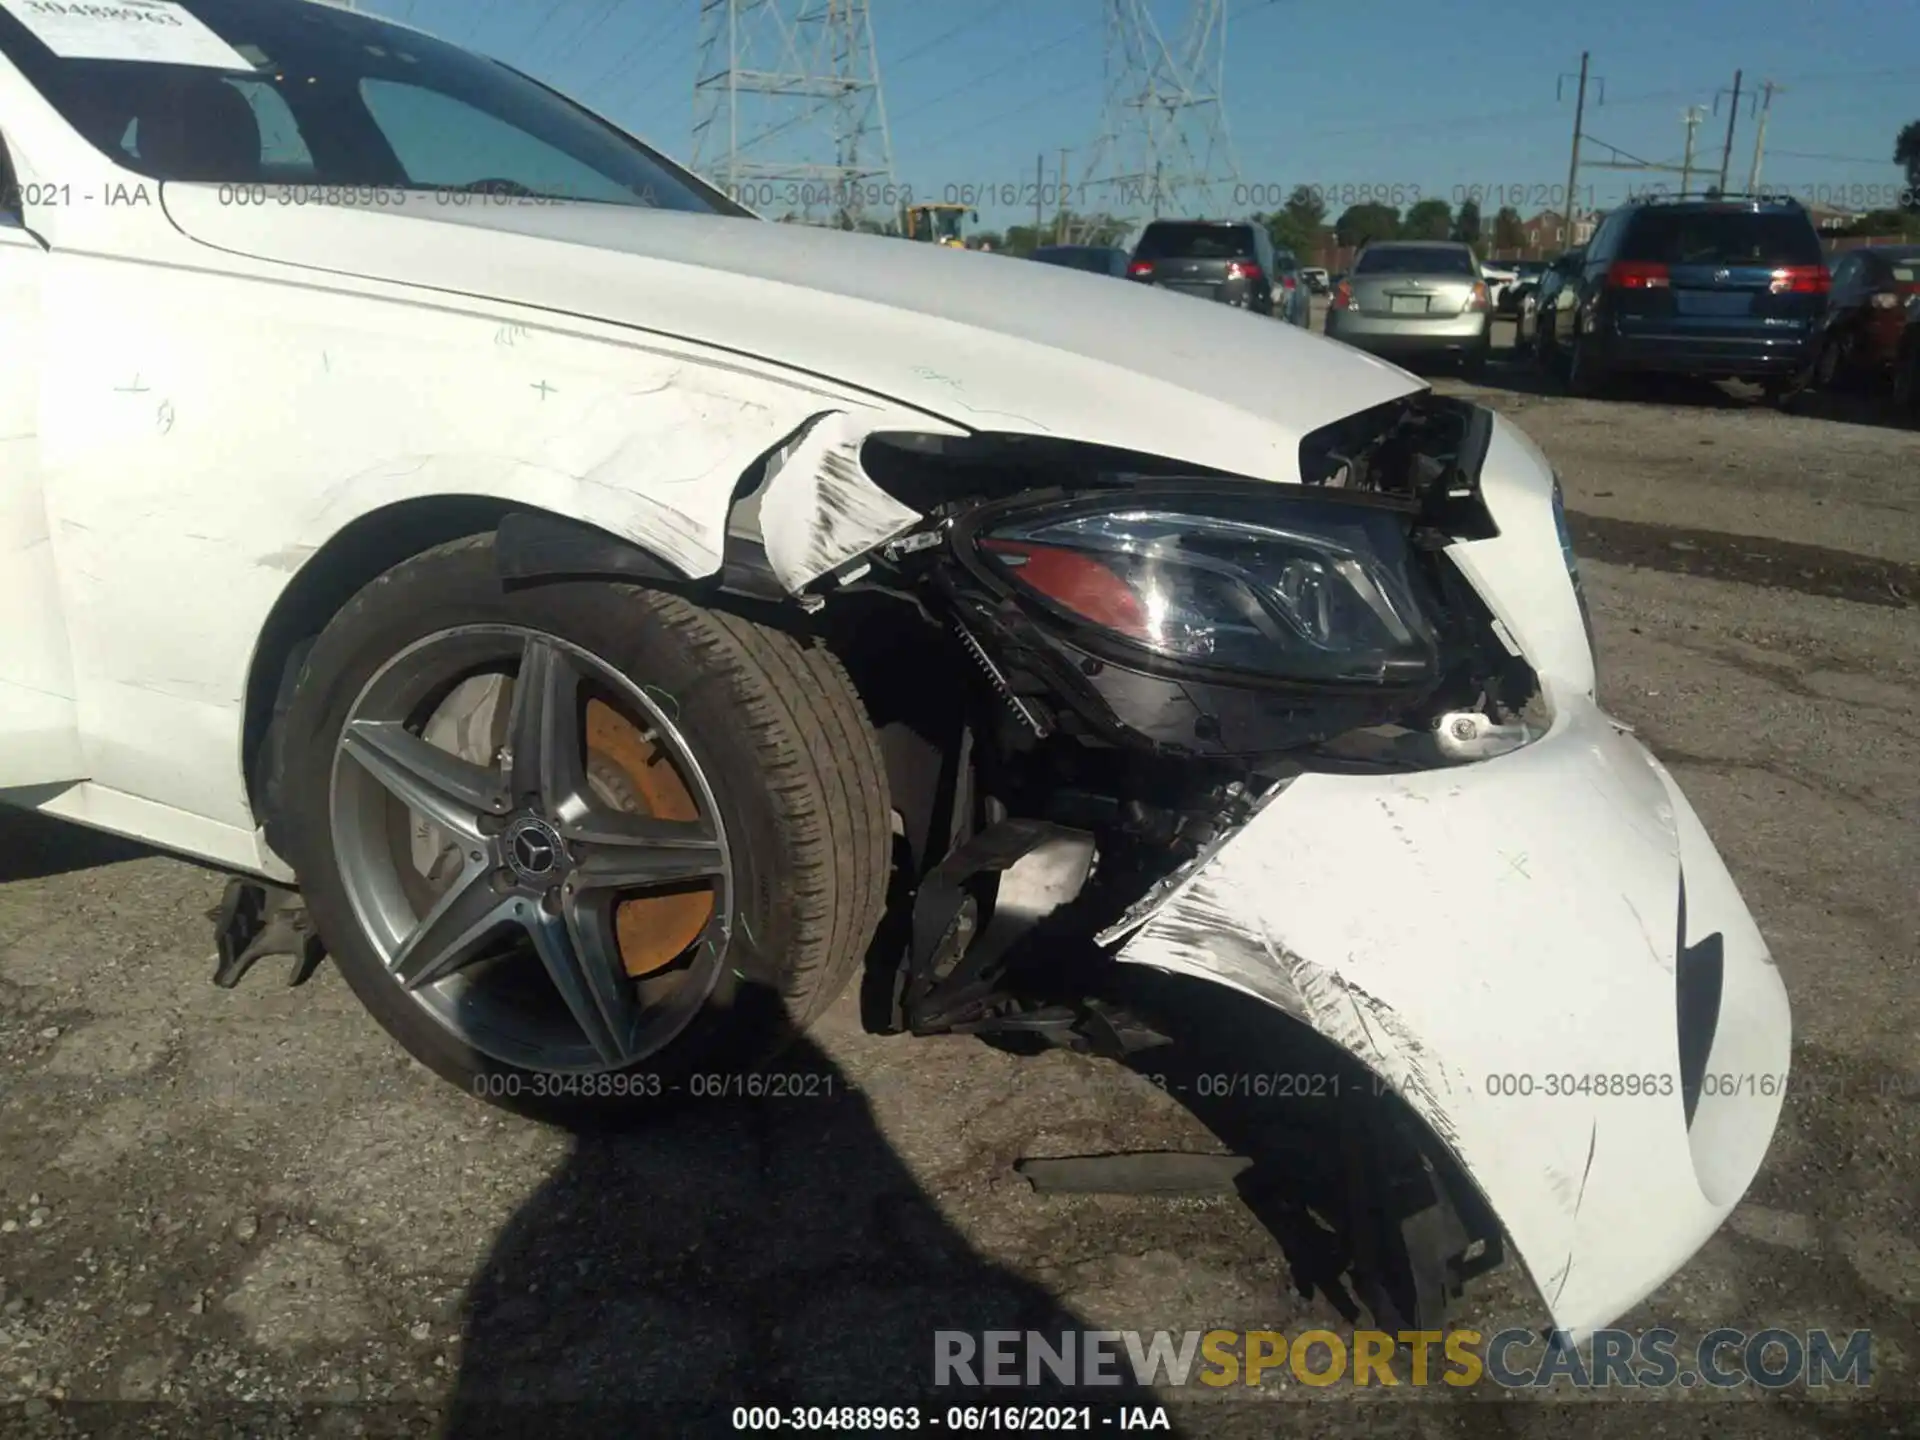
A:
{"x":985,"y":341}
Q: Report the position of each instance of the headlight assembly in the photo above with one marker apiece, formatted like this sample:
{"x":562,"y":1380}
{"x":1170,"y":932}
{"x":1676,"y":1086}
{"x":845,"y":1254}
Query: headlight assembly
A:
{"x":1286,"y":590}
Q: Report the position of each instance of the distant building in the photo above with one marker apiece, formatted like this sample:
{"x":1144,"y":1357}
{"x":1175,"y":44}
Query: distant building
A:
{"x":1828,"y":220}
{"x":1548,"y":230}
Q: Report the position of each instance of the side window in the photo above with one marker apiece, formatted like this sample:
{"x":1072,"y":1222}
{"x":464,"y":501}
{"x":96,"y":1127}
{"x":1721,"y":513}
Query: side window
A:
{"x":1603,"y":238}
{"x":442,"y":141}
{"x":1846,"y":272}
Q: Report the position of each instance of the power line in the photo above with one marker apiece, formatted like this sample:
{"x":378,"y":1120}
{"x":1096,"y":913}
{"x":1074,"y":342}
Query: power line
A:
{"x":530,"y":44}
{"x":981,"y":79}
{"x":479,"y":14}
{"x":646,"y":39}
{"x":586,"y":30}
{"x":1834,"y":159}
{"x":963,"y":26}
{"x":987,"y":75}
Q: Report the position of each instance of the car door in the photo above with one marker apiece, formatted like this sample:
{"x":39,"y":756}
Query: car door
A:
{"x":1850,"y":282}
{"x":39,"y":716}
{"x":1268,"y":284}
{"x":1287,"y":289}
{"x":1557,"y":290}
{"x":1587,"y":285}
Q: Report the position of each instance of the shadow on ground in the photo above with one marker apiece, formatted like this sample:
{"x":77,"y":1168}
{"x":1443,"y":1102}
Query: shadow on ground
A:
{"x":35,"y":846}
{"x":729,"y":1252}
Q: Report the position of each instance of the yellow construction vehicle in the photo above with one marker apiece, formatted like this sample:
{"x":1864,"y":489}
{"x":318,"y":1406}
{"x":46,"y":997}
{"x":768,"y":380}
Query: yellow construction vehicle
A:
{"x":942,"y":224}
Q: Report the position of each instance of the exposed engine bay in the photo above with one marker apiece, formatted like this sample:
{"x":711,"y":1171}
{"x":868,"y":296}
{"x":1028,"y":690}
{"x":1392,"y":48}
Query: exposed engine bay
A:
{"x":1141,"y":652}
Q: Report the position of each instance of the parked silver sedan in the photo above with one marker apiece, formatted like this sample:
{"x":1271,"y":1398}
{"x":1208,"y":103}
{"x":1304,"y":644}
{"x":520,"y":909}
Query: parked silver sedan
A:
{"x":1415,"y":299}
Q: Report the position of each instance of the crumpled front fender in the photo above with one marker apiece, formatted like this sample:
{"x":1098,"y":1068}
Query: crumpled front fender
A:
{"x":1508,"y":945}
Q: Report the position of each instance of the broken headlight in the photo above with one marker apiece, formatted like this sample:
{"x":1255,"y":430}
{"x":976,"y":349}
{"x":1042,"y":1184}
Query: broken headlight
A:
{"x":1295,"y":591}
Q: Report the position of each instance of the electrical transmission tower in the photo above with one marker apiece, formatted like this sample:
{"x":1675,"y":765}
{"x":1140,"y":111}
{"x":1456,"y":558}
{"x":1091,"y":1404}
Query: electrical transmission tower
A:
{"x":1164,"y":148}
{"x":788,"y":114}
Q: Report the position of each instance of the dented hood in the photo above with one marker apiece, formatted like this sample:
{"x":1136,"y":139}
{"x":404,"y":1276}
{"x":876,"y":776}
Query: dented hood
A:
{"x":982,"y":340}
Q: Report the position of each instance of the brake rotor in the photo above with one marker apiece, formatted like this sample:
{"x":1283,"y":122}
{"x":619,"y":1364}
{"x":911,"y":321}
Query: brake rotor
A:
{"x":629,"y":772}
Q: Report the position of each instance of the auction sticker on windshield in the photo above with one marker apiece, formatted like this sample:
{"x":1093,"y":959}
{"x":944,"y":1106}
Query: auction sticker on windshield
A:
{"x":157,"y":31}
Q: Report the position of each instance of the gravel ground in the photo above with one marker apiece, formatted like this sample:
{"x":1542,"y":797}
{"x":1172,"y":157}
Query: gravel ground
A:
{"x":222,"y":1203}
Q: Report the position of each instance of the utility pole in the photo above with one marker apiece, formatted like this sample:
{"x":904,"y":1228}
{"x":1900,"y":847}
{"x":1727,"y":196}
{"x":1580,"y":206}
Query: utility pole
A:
{"x":1060,"y":214}
{"x":1733,"y":113}
{"x":1767,"y":91}
{"x":1694,"y":115}
{"x":1573,"y":164}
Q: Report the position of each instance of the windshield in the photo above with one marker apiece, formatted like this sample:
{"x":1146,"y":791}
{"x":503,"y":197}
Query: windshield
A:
{"x":292,"y":92}
{"x":1415,"y":260}
{"x":1195,"y":242}
{"x":1729,"y":237}
{"x":1074,"y":257}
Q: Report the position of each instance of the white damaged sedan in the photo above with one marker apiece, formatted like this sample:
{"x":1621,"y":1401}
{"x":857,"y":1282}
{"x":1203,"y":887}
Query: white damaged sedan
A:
{"x":605,"y":621}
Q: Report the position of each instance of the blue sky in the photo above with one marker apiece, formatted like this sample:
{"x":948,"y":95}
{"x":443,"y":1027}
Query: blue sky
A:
{"x":1376,"y":92}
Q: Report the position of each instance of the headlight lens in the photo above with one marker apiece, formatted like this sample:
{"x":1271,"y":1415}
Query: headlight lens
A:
{"x":1290,"y":590}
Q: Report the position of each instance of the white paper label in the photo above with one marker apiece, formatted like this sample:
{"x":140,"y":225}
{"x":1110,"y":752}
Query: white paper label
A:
{"x":157,"y":31}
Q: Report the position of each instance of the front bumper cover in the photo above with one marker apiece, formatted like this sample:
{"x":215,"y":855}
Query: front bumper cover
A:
{"x":1506,"y":945}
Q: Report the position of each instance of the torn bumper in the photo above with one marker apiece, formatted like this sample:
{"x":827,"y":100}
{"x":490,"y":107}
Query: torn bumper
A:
{"x":1544,"y":954}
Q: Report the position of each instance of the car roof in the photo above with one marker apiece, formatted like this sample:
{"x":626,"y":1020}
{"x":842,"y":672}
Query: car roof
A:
{"x":1417,"y":245}
{"x":1222,"y":224}
{"x":1747,"y":204}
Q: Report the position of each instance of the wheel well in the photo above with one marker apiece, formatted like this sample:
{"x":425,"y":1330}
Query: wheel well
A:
{"x":913,"y":702}
{"x":360,"y":553}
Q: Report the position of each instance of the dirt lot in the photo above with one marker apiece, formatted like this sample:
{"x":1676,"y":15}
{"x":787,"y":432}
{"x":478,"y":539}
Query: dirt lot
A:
{"x":213,"y":1199}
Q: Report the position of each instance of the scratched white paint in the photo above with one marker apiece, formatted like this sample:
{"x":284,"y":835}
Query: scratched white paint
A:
{"x":210,"y":471}
{"x":820,"y":509}
{"x":978,"y":339}
{"x":1513,"y":918}
{"x":41,"y":720}
{"x":1472,"y":928}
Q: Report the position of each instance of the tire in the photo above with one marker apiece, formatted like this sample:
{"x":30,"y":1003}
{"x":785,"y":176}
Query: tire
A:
{"x":1546,"y":353}
{"x":1825,"y":374}
{"x":1906,"y":385}
{"x":774,"y":742}
{"x":1584,"y":378}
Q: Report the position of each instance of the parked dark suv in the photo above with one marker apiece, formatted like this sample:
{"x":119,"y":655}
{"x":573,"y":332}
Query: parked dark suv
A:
{"x":1230,"y":261}
{"x":1723,"y":288}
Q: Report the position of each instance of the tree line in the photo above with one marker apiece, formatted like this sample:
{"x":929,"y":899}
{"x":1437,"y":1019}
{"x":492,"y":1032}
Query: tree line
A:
{"x":1302,"y":226}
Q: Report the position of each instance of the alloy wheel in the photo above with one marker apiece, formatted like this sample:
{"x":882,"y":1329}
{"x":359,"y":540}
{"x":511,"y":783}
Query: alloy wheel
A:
{"x":532,"y":848}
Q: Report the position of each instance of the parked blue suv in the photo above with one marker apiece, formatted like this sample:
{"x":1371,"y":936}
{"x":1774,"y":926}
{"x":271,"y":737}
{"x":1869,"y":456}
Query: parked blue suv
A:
{"x":1722,"y":288}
